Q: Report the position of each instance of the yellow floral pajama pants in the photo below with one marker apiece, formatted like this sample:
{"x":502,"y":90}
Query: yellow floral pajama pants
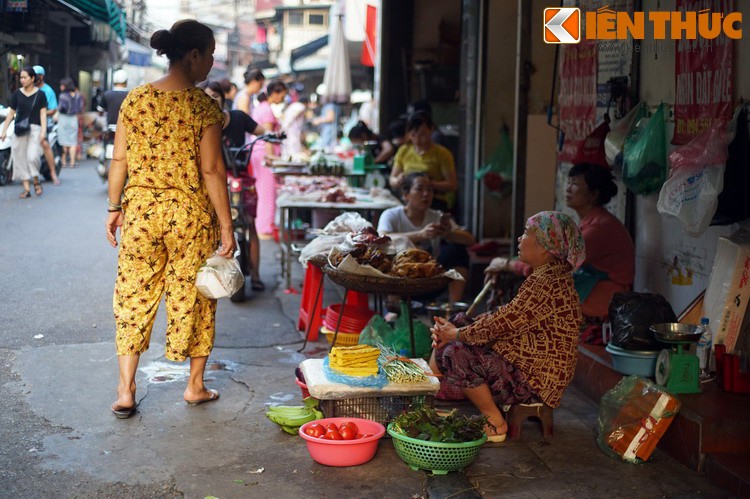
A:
{"x":166,"y":237}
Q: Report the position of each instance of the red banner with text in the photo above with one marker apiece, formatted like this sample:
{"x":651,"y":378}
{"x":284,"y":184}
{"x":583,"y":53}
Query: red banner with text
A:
{"x":577,"y":97}
{"x":703,"y":76}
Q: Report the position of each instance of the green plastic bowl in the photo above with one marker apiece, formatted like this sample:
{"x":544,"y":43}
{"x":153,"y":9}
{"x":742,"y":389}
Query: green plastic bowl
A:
{"x":438,"y":457}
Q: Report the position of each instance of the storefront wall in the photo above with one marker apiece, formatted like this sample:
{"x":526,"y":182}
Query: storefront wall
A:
{"x":668,"y":261}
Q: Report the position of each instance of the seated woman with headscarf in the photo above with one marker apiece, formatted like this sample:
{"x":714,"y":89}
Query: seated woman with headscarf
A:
{"x":609,"y":267}
{"x":523,"y":352}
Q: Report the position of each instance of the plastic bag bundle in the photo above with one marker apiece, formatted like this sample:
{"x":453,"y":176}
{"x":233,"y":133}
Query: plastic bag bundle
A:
{"x":219,"y":277}
{"x":377,"y":331}
{"x":691,"y":194}
{"x":633,"y":417}
{"x":632,"y":315}
{"x":645,"y":156}
{"x":497,"y":174}
{"x":615,"y":139}
{"x":378,"y":381}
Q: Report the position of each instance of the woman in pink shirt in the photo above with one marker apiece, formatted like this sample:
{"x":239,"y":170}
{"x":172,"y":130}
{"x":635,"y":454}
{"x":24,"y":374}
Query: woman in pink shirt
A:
{"x":265,"y":183}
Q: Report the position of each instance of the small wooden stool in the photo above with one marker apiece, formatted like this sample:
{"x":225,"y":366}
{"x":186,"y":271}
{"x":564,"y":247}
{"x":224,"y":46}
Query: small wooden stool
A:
{"x":517,"y":414}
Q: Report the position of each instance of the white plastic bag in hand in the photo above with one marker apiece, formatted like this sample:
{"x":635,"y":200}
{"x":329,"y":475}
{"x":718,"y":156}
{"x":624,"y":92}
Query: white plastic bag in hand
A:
{"x":219,"y":277}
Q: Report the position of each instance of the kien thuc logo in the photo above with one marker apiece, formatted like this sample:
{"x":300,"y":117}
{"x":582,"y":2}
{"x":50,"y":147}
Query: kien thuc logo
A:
{"x":565,"y":25}
{"x":562,"y":25}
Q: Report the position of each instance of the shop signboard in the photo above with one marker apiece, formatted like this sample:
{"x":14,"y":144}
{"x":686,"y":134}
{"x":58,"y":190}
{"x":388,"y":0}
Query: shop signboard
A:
{"x":703,"y":75}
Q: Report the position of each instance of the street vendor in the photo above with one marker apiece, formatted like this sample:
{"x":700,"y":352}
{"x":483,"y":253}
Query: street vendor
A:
{"x":609,"y":266}
{"x":423,"y":155}
{"x":523,"y":352}
{"x":429,"y":229}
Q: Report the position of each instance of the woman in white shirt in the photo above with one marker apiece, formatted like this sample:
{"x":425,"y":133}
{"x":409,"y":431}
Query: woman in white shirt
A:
{"x":429,"y":229}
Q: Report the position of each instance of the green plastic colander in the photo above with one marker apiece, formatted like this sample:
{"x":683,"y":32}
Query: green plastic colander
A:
{"x":438,"y":457}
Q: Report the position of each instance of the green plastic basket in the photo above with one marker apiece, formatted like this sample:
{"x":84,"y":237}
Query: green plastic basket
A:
{"x":438,"y":457}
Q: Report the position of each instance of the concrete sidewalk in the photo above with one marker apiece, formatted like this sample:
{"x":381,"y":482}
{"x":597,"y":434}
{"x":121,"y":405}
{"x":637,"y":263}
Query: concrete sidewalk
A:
{"x":59,"y":438}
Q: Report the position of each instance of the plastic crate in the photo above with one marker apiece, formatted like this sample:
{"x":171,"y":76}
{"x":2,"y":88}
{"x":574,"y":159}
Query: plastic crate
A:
{"x":342,"y":340}
{"x":438,"y":457}
{"x":380,"y":409}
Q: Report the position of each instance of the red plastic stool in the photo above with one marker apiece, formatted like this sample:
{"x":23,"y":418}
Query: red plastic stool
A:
{"x":521,"y":412}
{"x":311,"y":314}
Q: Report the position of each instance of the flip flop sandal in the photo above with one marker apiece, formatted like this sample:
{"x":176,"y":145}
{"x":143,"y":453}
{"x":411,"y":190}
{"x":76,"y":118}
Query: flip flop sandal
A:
{"x":25,"y":194}
{"x":214,"y":396}
{"x":257,"y":286}
{"x":38,"y":189}
{"x":124,"y":413}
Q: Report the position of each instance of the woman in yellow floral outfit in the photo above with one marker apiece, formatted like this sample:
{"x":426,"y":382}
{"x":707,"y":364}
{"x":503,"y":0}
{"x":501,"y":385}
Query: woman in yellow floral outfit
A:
{"x":173,"y":214}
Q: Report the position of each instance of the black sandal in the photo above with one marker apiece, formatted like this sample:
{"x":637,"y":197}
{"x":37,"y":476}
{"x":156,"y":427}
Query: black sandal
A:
{"x":25,"y":194}
{"x":38,"y":189}
{"x":257,"y":286}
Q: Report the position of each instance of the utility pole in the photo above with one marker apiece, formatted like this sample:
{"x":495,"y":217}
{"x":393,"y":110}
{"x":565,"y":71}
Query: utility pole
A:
{"x":233,"y":40}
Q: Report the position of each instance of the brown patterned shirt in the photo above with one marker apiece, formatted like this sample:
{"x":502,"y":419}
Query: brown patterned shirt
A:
{"x":538,"y":331}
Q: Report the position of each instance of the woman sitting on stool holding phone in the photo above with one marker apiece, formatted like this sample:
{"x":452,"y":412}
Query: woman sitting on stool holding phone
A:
{"x":430,"y":230}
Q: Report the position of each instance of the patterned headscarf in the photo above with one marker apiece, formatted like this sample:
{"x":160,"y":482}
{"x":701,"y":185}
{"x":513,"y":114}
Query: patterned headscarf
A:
{"x":559,"y":234}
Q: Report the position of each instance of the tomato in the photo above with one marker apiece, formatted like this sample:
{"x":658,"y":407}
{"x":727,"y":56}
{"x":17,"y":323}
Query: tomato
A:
{"x":332,"y":426}
{"x":366,"y":435}
{"x":350,"y":425}
{"x":358,"y":436}
{"x":333,"y":434}
{"x":315,"y":430}
{"x":347,"y":433}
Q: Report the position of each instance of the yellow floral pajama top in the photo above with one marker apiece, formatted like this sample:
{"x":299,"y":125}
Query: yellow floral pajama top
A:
{"x":170,"y":227}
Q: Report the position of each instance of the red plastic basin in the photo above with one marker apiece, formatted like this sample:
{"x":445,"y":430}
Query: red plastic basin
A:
{"x":344,"y":452}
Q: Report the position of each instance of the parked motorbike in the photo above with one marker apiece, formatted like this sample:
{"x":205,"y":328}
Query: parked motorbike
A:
{"x":105,"y":156}
{"x":57,"y":152}
{"x":6,"y":163}
{"x":243,"y":201}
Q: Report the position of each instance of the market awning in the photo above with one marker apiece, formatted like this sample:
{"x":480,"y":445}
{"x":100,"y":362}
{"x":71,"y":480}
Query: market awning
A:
{"x":307,"y":49}
{"x":102,"y":10}
{"x":138,"y":55}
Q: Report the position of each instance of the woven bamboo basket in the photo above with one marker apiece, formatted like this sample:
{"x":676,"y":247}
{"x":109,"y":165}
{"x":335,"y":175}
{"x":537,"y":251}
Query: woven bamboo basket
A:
{"x":403,"y":286}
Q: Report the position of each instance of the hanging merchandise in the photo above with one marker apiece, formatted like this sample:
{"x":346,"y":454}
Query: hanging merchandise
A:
{"x":733,"y":206}
{"x":645,"y":156}
{"x":591,"y":149}
{"x":497,"y":174}
{"x":615,"y":139}
{"x":691,"y":194}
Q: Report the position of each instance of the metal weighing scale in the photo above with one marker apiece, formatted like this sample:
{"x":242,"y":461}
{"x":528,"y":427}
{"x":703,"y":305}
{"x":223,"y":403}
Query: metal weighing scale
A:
{"x":676,"y":368}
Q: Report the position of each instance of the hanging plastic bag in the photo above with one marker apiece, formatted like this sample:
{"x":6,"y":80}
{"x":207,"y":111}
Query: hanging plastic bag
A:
{"x":645,"y":156}
{"x":591,"y":149}
{"x":615,"y":139}
{"x":497,"y":174}
{"x":733,"y":205}
{"x":219,"y":277}
{"x":691,"y":194}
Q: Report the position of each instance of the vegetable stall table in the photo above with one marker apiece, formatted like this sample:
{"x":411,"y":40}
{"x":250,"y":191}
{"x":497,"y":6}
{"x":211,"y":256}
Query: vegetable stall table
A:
{"x":288,"y":206}
{"x":379,"y":404}
{"x":403,"y":287}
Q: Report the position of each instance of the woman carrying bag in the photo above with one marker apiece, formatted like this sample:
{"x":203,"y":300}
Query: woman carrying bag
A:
{"x":29,"y":106}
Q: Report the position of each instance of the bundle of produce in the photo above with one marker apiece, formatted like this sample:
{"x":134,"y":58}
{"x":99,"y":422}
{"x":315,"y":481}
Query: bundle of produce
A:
{"x":399,"y":369}
{"x":357,"y":360}
{"x":424,"y":423}
{"x":291,"y":417}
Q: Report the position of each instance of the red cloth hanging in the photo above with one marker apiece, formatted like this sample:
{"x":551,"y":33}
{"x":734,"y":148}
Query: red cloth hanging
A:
{"x":369,"y":44}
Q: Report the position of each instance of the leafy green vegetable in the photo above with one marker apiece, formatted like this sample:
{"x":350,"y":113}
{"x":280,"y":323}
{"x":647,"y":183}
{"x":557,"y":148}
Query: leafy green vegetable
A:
{"x":425,"y":423}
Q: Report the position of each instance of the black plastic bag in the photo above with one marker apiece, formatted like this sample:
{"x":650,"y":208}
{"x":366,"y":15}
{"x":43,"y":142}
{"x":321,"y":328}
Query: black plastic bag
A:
{"x":733,"y":206}
{"x":632,"y":314}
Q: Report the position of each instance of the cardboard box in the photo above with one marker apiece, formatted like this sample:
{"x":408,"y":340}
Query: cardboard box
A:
{"x":728,"y":290}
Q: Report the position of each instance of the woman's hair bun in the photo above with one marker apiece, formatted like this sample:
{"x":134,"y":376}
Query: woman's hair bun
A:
{"x":162,"y":40}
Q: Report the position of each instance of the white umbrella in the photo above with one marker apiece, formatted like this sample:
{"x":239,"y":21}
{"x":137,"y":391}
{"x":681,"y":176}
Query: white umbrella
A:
{"x":337,"y":78}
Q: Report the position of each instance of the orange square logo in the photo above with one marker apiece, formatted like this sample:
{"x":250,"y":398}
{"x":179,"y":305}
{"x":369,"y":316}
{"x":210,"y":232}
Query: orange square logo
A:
{"x":562,"y":25}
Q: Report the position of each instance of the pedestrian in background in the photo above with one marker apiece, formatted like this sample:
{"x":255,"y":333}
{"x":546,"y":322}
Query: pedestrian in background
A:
{"x":49,"y":92}
{"x":28,"y":105}
{"x":293,"y":123}
{"x":264,"y":152}
{"x":254,"y":81}
{"x":174,"y":212}
{"x":69,"y":109}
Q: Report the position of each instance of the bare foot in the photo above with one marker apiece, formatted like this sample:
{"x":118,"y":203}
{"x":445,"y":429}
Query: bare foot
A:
{"x":496,"y":427}
{"x":193,"y":397}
